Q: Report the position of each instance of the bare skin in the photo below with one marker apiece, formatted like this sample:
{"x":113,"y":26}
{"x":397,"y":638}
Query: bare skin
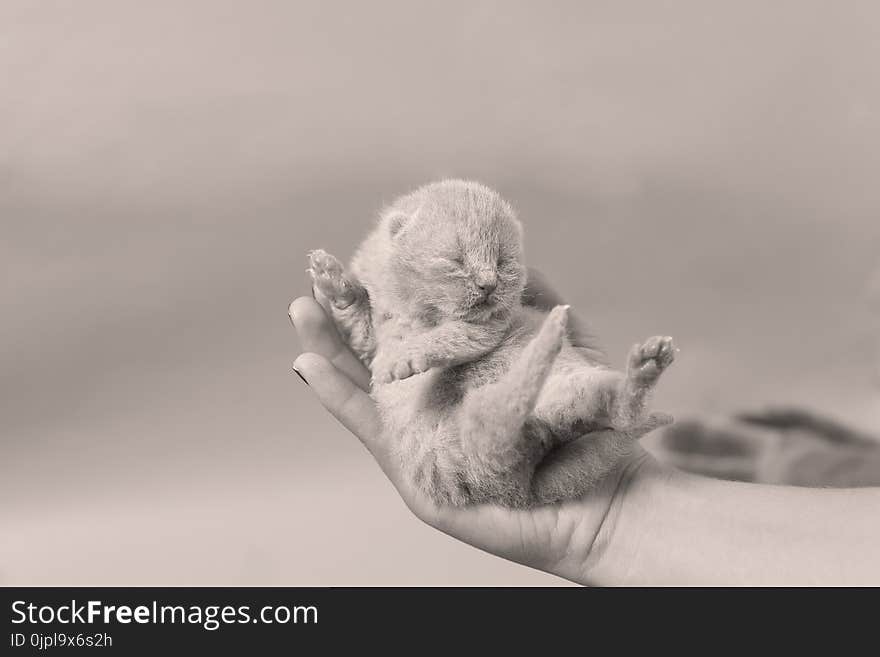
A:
{"x":540,"y":537}
{"x":791,"y":447}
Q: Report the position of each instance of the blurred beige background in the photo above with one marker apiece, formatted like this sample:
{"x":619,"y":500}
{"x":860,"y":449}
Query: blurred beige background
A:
{"x":705,"y":170}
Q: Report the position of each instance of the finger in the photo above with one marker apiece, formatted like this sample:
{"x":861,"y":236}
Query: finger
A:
{"x":540,"y":294}
{"x":697,"y":438}
{"x":731,"y":468}
{"x":652,"y":422}
{"x":580,"y":335}
{"x":789,"y":419}
{"x":322,"y":300}
{"x":346,"y":401}
{"x":350,"y":405}
{"x":318,"y":334}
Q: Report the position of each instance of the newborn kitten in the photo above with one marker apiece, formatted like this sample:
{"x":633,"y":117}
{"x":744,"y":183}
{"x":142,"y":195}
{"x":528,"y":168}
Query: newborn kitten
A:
{"x":486,"y":399}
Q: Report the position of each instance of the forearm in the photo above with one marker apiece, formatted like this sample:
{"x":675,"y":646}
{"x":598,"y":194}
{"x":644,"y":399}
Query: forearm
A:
{"x":673,"y":528}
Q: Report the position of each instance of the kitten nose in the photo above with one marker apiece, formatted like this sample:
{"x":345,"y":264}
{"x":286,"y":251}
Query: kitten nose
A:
{"x":487,"y":282}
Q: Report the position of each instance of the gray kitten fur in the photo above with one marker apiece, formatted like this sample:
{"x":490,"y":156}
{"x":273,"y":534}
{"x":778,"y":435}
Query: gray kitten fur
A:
{"x":486,"y":399}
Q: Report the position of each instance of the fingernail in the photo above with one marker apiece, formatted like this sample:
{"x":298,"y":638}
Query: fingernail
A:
{"x":299,"y":374}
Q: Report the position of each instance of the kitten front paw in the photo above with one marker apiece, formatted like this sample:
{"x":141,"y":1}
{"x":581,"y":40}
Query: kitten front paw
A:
{"x":648,"y":360}
{"x":328,"y":278}
{"x":395,"y":367}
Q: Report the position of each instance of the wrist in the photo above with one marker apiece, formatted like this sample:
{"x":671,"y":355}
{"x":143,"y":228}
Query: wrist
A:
{"x":633,"y":512}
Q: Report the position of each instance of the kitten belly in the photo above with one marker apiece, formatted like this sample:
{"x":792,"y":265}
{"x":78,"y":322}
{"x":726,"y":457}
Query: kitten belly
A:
{"x":418,"y":417}
{"x":422,"y":417}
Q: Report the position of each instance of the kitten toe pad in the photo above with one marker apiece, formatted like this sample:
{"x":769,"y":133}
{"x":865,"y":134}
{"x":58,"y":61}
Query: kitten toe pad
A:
{"x":329,"y":278}
{"x":648,"y":360}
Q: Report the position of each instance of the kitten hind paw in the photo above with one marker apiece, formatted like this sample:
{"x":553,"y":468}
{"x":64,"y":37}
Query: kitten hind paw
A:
{"x":648,"y":360}
{"x":329,"y":279}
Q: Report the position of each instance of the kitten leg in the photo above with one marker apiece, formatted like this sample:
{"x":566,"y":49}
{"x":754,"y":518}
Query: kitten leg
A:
{"x":645,"y":364}
{"x":581,"y":397}
{"x":577,"y":397}
{"x":572,"y":469}
{"x":493,"y":417}
{"x":347,"y":302}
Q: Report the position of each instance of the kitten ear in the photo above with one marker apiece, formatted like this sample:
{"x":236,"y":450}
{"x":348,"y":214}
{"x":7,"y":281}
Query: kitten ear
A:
{"x":396,"y":222}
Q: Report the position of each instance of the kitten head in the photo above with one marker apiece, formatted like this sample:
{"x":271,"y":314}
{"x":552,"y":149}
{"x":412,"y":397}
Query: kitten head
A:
{"x":456,"y":250}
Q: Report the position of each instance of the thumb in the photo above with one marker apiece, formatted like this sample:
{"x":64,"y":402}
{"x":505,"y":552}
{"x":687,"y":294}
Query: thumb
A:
{"x":348,"y":403}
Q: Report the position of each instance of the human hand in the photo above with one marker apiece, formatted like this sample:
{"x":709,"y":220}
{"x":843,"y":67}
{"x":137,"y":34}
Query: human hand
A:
{"x":567,"y":539}
{"x":781,"y":446}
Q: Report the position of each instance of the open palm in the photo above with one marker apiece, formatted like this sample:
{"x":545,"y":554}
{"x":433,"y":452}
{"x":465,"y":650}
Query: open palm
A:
{"x":562,"y":538}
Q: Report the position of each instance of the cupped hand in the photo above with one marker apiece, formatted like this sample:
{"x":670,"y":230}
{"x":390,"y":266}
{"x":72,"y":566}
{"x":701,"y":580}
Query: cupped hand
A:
{"x":783,"y":446}
{"x":568,"y":539}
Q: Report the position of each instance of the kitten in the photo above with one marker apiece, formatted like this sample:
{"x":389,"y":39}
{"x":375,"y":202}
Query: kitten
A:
{"x":487,"y":399}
